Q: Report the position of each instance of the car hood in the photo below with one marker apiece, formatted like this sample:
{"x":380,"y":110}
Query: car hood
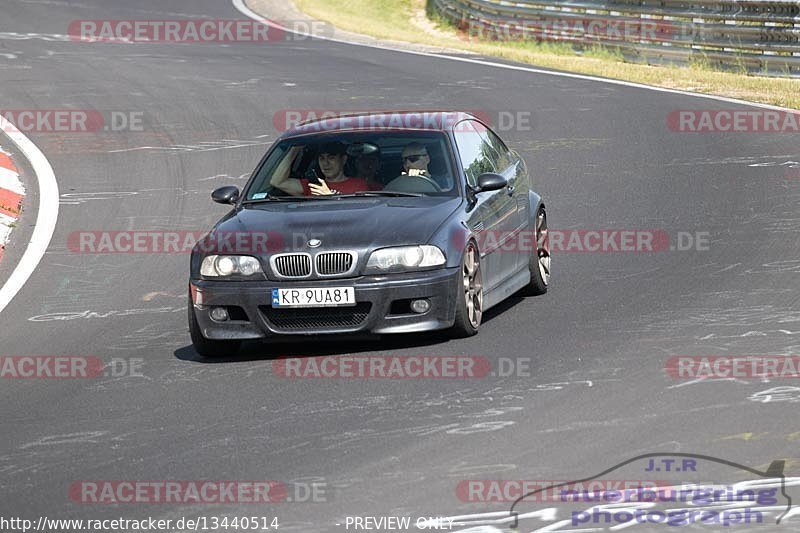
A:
{"x":363,"y":223}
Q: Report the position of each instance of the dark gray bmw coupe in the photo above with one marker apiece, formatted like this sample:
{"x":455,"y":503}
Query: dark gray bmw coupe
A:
{"x":378,"y":223}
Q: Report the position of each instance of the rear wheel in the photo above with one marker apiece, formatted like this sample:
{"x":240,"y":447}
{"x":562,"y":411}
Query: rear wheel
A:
{"x":209,"y":347}
{"x":469,"y":297}
{"x":539,"y":262}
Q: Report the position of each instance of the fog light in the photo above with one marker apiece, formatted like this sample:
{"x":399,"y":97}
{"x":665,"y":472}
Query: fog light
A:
{"x":220,"y":314}
{"x":420,"y":306}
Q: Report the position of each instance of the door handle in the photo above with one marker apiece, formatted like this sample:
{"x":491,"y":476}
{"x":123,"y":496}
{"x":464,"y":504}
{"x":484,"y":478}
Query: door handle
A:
{"x":510,"y":190}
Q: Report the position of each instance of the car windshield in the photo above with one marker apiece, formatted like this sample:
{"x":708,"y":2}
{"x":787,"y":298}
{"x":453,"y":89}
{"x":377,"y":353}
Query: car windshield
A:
{"x":395,"y":163}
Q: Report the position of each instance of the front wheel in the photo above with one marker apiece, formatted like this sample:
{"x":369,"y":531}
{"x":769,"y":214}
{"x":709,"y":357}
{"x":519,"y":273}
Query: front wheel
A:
{"x":539,"y":263}
{"x":208,"y":347}
{"x":469,"y":296}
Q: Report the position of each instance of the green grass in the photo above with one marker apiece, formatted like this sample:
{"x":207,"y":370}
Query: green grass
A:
{"x":406,"y":20}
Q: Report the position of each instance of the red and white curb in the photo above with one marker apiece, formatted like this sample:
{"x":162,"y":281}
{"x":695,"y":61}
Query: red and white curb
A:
{"x":47,"y":210}
{"x":11,"y":194}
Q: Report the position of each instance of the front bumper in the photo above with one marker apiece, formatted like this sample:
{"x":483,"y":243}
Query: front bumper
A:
{"x":374,"y":312}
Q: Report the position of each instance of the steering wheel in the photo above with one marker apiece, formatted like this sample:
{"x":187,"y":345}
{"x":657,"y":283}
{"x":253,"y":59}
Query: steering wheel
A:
{"x":411,"y":184}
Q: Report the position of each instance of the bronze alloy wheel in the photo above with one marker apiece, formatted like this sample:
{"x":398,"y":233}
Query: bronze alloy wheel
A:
{"x":543,"y":246}
{"x":473,"y":285}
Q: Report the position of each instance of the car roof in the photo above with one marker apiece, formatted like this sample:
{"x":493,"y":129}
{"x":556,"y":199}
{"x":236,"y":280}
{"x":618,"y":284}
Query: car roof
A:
{"x":365,"y":121}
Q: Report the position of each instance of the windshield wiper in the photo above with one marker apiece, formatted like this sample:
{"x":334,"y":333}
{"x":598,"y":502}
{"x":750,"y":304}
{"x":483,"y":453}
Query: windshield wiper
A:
{"x":358,"y":194}
{"x":271,"y":198}
{"x":382,"y":193}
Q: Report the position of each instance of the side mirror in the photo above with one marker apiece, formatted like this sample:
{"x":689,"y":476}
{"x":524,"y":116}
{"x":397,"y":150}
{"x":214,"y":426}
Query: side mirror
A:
{"x":226,"y":195}
{"x":491,"y":182}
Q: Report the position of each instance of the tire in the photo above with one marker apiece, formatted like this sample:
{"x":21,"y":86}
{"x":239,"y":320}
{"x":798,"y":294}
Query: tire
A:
{"x":469,"y":294}
{"x":539,"y":262}
{"x":208,"y":347}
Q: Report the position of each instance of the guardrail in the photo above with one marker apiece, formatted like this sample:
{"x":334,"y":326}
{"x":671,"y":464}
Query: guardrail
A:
{"x":755,"y":35}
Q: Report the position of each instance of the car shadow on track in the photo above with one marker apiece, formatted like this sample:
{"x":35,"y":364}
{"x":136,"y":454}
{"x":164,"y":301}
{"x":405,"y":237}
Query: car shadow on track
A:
{"x":338,"y":345}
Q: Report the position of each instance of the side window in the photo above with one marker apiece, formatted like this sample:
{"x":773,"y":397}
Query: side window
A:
{"x":503,"y":160}
{"x":475,"y":153}
{"x":261,"y":184}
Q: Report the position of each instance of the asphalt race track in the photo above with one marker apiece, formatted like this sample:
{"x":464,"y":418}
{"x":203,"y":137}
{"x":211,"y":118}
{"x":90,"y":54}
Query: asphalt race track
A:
{"x":594,"y":392}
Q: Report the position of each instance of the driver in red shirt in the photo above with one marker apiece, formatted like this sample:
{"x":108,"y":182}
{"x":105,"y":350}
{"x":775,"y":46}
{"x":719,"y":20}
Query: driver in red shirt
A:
{"x":332,"y":158}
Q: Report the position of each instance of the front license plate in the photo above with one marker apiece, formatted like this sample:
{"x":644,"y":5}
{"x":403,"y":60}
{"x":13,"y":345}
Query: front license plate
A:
{"x":319,"y":297}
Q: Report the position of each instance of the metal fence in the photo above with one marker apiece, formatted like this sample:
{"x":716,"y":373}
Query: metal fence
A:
{"x":753,"y":35}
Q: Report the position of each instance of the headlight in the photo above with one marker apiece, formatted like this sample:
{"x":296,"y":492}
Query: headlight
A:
{"x":403,"y":258}
{"x":215,"y":266}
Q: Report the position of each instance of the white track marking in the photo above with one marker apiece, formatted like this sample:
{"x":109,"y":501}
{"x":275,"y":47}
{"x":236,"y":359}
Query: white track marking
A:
{"x":6,"y":224}
{"x":45,"y":219}
{"x":242,"y":7}
{"x":9,"y":180}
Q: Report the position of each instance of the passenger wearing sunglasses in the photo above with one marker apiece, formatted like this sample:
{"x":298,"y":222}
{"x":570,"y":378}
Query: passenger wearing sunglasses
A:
{"x":415,"y":163}
{"x":416,"y":160}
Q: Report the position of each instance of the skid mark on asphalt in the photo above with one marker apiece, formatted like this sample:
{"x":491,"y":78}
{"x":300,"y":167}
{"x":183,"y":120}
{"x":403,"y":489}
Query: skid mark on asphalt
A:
{"x":87,"y":143}
{"x":777,"y":395}
{"x":765,"y":333}
{"x":749,"y":160}
{"x":152,"y":295}
{"x":89,"y":314}
{"x":78,"y":198}
{"x":790,"y":164}
{"x":704,"y":380}
{"x":226,"y":177}
{"x":229,"y":84}
{"x":719,"y":317}
{"x":69,"y":438}
{"x":206,"y":146}
{"x":561,"y":144}
{"x":169,"y":222}
{"x":776,"y":267}
{"x":49,"y":37}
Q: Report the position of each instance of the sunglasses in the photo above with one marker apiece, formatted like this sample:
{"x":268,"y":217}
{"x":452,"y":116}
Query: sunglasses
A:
{"x":414,"y":158}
